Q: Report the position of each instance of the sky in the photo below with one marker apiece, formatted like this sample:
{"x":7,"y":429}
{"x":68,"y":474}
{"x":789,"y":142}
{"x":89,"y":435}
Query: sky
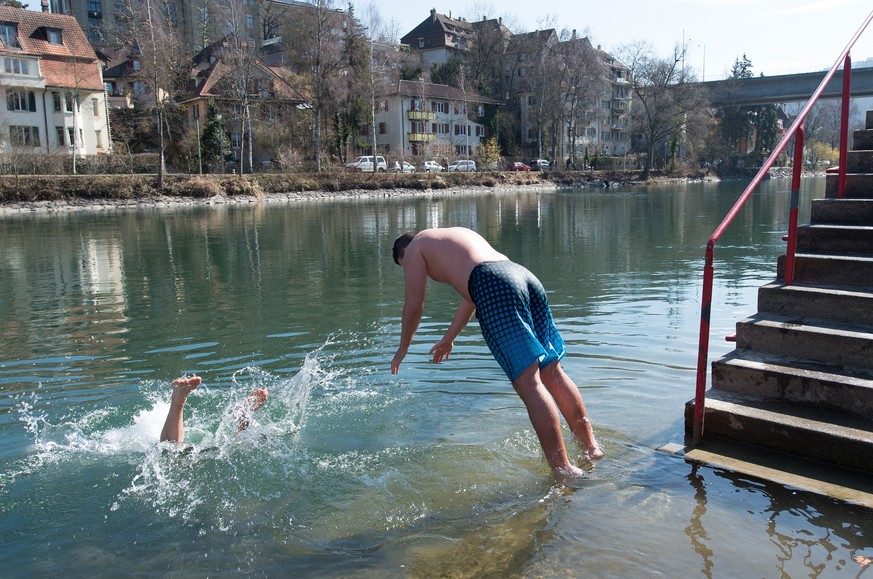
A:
{"x":777,"y":36}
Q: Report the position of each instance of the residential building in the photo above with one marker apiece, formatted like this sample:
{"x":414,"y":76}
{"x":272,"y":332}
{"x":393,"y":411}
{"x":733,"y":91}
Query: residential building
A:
{"x":438,"y":38}
{"x":216,"y":80}
{"x":422,"y":119}
{"x":53,"y":94}
{"x":531,"y":68}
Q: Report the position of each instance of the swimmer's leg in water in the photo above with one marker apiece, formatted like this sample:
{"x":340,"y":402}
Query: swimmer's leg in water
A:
{"x":254,"y":400}
{"x":173,"y":430}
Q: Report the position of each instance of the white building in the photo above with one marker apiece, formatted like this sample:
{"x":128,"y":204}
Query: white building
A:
{"x":53,"y":95}
{"x":422,"y":119}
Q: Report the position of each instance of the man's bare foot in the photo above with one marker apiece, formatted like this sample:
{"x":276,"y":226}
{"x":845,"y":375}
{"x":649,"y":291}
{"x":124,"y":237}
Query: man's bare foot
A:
{"x":594,"y":453}
{"x":568,"y":473}
{"x":254,"y":400}
{"x":182,"y":387}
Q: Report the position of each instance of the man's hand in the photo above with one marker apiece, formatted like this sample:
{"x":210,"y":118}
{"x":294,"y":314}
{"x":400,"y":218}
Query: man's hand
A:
{"x":395,"y":361}
{"x":441,"y":350}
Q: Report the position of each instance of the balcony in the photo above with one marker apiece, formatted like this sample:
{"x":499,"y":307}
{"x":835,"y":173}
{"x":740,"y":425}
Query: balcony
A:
{"x":421,"y":116}
{"x":420,"y":137}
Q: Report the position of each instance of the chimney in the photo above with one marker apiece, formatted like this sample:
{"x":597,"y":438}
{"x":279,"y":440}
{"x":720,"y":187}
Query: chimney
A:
{"x":45,"y":5}
{"x":433,"y":14}
{"x":574,"y":34}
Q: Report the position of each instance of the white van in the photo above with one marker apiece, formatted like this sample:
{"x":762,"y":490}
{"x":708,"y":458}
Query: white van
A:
{"x":463,"y":166}
{"x":365,"y":164}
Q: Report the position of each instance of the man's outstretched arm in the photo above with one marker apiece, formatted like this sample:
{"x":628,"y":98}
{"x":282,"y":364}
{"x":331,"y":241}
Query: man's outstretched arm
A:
{"x":415,"y":278}
{"x":443,"y":348}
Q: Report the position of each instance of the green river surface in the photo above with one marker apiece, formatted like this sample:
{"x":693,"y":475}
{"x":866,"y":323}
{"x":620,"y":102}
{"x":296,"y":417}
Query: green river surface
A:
{"x":348,"y":470}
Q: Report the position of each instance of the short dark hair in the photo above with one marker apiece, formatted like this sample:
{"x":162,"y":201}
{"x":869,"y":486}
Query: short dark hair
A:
{"x":400,"y":245}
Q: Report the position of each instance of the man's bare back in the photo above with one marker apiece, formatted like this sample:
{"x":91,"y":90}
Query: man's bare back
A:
{"x":450,"y":254}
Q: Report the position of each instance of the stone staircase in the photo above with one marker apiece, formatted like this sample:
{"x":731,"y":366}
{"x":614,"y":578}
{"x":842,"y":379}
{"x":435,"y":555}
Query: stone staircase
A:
{"x":800,"y":380}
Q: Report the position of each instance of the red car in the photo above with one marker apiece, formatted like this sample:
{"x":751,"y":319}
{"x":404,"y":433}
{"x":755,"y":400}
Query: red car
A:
{"x":517,"y":167}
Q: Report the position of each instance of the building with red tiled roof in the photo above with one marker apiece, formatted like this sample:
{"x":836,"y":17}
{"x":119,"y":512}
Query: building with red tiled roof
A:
{"x":423,"y":119}
{"x":214,"y":81}
{"x":53,"y":94}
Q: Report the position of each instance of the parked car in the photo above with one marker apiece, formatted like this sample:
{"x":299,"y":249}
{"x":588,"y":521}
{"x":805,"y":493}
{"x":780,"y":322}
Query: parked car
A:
{"x":462,"y":166}
{"x":431,"y":167}
{"x":517,"y":166}
{"x":539,"y":164}
{"x":365,"y":164}
{"x":403,"y":167}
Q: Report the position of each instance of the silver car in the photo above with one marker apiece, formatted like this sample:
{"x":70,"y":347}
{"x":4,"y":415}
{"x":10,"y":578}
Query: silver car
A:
{"x":431,"y":167}
{"x":463,"y":166}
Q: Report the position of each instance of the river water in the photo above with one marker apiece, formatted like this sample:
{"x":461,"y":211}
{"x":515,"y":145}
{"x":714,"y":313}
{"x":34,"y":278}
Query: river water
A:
{"x":348,"y":471}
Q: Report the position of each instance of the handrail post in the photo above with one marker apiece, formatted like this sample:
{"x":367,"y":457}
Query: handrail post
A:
{"x":703,"y":344}
{"x":844,"y":126}
{"x":795,"y":204}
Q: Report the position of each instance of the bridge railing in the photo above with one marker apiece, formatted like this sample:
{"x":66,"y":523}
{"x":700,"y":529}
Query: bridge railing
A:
{"x":795,"y":132}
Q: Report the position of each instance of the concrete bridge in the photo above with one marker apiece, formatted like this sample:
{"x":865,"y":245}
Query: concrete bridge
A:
{"x":785,"y":88}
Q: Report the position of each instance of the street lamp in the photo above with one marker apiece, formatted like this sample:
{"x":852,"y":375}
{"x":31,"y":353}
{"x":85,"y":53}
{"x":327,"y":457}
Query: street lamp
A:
{"x":220,"y":142}
{"x":199,"y":154}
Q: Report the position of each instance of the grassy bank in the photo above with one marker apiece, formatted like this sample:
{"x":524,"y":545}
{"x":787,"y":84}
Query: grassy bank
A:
{"x":34,"y":188}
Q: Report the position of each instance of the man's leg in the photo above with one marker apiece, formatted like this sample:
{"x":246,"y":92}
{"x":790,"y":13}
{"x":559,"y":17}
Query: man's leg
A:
{"x":544,"y":417}
{"x":569,"y":400}
{"x":173,"y":428}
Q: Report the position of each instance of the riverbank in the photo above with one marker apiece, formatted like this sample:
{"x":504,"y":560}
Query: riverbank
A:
{"x":22,"y":194}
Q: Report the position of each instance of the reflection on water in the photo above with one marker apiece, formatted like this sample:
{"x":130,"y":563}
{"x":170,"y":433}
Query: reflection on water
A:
{"x":348,"y":470}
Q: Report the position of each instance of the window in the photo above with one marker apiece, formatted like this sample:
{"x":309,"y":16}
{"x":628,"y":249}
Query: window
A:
{"x":71,"y":136}
{"x":9,"y":34}
{"x":135,"y":64}
{"x":16,"y":66}
{"x":531,"y":100}
{"x":20,"y":100}
{"x":54,"y":36}
{"x":250,"y":21}
{"x":480,"y":131}
{"x":95,"y":103}
{"x":607,"y":105}
{"x":95,"y":30}
{"x":383,"y":106}
{"x":95,"y":8}
{"x":459,"y":109}
{"x":462,"y":129}
{"x":24,"y":136}
{"x":383,"y":128}
{"x":235,"y":140}
{"x":98,"y":136}
{"x":421,"y":42}
{"x":481,"y":110}
{"x":56,"y":96}
{"x":60,"y":135}
{"x":440,"y":107}
{"x":68,"y":103}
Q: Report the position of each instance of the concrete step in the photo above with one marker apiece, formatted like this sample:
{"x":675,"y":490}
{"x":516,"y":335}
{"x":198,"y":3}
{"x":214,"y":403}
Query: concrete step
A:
{"x":845,"y":485}
{"x":817,"y":434}
{"x":842,"y":211}
{"x":862,"y":140}
{"x":768,"y":377}
{"x":859,"y":161}
{"x":848,"y":271}
{"x":858,"y":185}
{"x":812,"y":302}
{"x":822,"y":342}
{"x":829,"y":238}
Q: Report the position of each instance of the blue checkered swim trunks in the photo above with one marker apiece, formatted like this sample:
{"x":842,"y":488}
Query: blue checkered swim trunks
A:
{"x":514,"y":316}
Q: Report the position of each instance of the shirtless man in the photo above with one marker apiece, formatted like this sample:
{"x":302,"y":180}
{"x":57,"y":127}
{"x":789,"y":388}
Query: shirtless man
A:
{"x":515,"y":320}
{"x":173,"y":430}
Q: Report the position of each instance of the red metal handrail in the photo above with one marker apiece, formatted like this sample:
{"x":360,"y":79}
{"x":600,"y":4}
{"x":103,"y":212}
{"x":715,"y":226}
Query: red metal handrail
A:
{"x":796,"y":130}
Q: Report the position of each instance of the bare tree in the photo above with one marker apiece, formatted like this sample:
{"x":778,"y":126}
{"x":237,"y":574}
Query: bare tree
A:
{"x":314,"y":44}
{"x":668,"y":102}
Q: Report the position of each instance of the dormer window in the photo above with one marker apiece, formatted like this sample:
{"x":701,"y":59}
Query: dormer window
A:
{"x":54,"y":36}
{"x":134,"y":64}
{"x":9,"y":35}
